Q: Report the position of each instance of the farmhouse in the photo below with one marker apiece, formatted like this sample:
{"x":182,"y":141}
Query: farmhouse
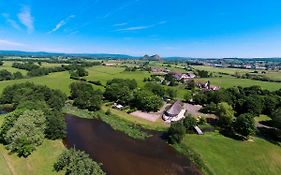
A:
{"x":159,"y":70}
{"x":207,"y":86}
{"x":180,"y":76}
{"x":175,"y":112}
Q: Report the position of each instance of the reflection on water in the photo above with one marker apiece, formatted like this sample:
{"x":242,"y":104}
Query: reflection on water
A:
{"x":122,"y":155}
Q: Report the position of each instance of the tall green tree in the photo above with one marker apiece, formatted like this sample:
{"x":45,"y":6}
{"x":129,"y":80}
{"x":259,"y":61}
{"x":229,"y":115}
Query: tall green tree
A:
{"x":27,"y":133}
{"x":147,"y":101}
{"x":245,"y":125}
{"x":225,"y":113}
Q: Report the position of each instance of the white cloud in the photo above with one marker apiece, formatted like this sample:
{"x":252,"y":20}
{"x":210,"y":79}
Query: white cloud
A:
{"x":4,"y":42}
{"x":61,"y":23}
{"x":120,"y":8}
{"x":142,"y":27}
{"x":135,"y":28}
{"x":26,"y":18}
{"x":12,"y":22}
{"x":120,"y":24}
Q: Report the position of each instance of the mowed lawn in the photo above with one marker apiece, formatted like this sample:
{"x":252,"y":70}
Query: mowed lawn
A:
{"x":59,"y":80}
{"x":225,"y":156}
{"x":8,"y":66}
{"x":41,"y":161}
{"x":105,"y":73}
{"x":228,"y":81}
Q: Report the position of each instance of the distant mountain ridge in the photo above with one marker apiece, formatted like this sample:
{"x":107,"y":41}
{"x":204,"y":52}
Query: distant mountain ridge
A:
{"x":27,"y":53}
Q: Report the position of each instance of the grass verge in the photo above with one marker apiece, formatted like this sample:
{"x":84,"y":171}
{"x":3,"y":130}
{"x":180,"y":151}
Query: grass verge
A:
{"x":224,"y":155}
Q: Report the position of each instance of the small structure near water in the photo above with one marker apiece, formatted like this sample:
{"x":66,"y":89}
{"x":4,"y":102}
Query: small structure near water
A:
{"x":175,"y":113}
{"x":118,"y":106}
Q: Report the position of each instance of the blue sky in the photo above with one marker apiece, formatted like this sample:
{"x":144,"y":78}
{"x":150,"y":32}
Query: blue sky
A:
{"x":196,"y":28}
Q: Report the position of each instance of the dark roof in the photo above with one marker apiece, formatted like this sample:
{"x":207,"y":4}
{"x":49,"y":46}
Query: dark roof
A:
{"x":175,"y":109}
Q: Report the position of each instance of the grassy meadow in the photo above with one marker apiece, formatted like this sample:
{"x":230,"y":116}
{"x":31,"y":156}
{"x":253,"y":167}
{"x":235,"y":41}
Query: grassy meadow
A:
{"x":58,"y":80}
{"x":224,"y":155}
{"x":8,"y":66}
{"x":228,"y":81}
{"x":105,"y":73}
{"x":40,"y":161}
{"x":274,"y":75}
{"x":223,"y":70}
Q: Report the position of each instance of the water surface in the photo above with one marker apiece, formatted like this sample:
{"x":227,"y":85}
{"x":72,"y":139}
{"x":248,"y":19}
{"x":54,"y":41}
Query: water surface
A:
{"x":122,"y":155}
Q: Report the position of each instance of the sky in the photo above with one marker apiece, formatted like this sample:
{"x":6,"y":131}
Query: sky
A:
{"x":188,"y":28}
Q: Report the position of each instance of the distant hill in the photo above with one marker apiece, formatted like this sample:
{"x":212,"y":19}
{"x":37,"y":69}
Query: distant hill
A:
{"x":152,"y":58}
{"x":49,"y":54}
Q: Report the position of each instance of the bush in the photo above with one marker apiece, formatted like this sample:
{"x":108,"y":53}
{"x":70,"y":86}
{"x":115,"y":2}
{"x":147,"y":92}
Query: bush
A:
{"x":75,"y":162}
{"x":108,"y":112}
{"x":176,"y":132}
{"x":189,"y":122}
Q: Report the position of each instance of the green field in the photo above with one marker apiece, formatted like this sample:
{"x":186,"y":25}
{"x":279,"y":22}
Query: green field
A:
{"x":58,"y":80}
{"x":8,"y":66}
{"x":228,"y":81}
{"x":274,"y":75}
{"x":223,"y":70}
{"x":105,"y":73}
{"x":227,"y":156}
{"x":40,"y":162}
{"x":47,"y":65}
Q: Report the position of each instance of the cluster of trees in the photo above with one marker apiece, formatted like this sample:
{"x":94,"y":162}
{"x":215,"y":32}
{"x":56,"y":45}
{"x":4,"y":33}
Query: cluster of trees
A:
{"x":120,"y":90}
{"x":76,"y":70}
{"x":75,"y":162}
{"x":236,"y":107}
{"x":85,"y":97}
{"x":255,"y":77}
{"x":37,"y":115}
{"x":203,"y":73}
{"x":160,"y":91}
{"x":178,"y":129}
{"x":170,"y":80}
{"x":125,"y":92}
{"x":242,"y":125}
{"x":254,"y":100}
{"x":6,"y":75}
{"x":131,"y":69}
{"x":79,"y":72}
{"x":26,"y":66}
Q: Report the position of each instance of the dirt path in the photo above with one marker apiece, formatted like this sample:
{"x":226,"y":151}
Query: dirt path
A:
{"x":10,"y":166}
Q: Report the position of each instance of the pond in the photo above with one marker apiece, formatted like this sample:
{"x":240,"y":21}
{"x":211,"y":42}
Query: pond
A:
{"x":121,"y":155}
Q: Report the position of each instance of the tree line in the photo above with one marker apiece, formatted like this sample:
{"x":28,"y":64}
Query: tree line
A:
{"x":122,"y":91}
{"x":36,"y":70}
